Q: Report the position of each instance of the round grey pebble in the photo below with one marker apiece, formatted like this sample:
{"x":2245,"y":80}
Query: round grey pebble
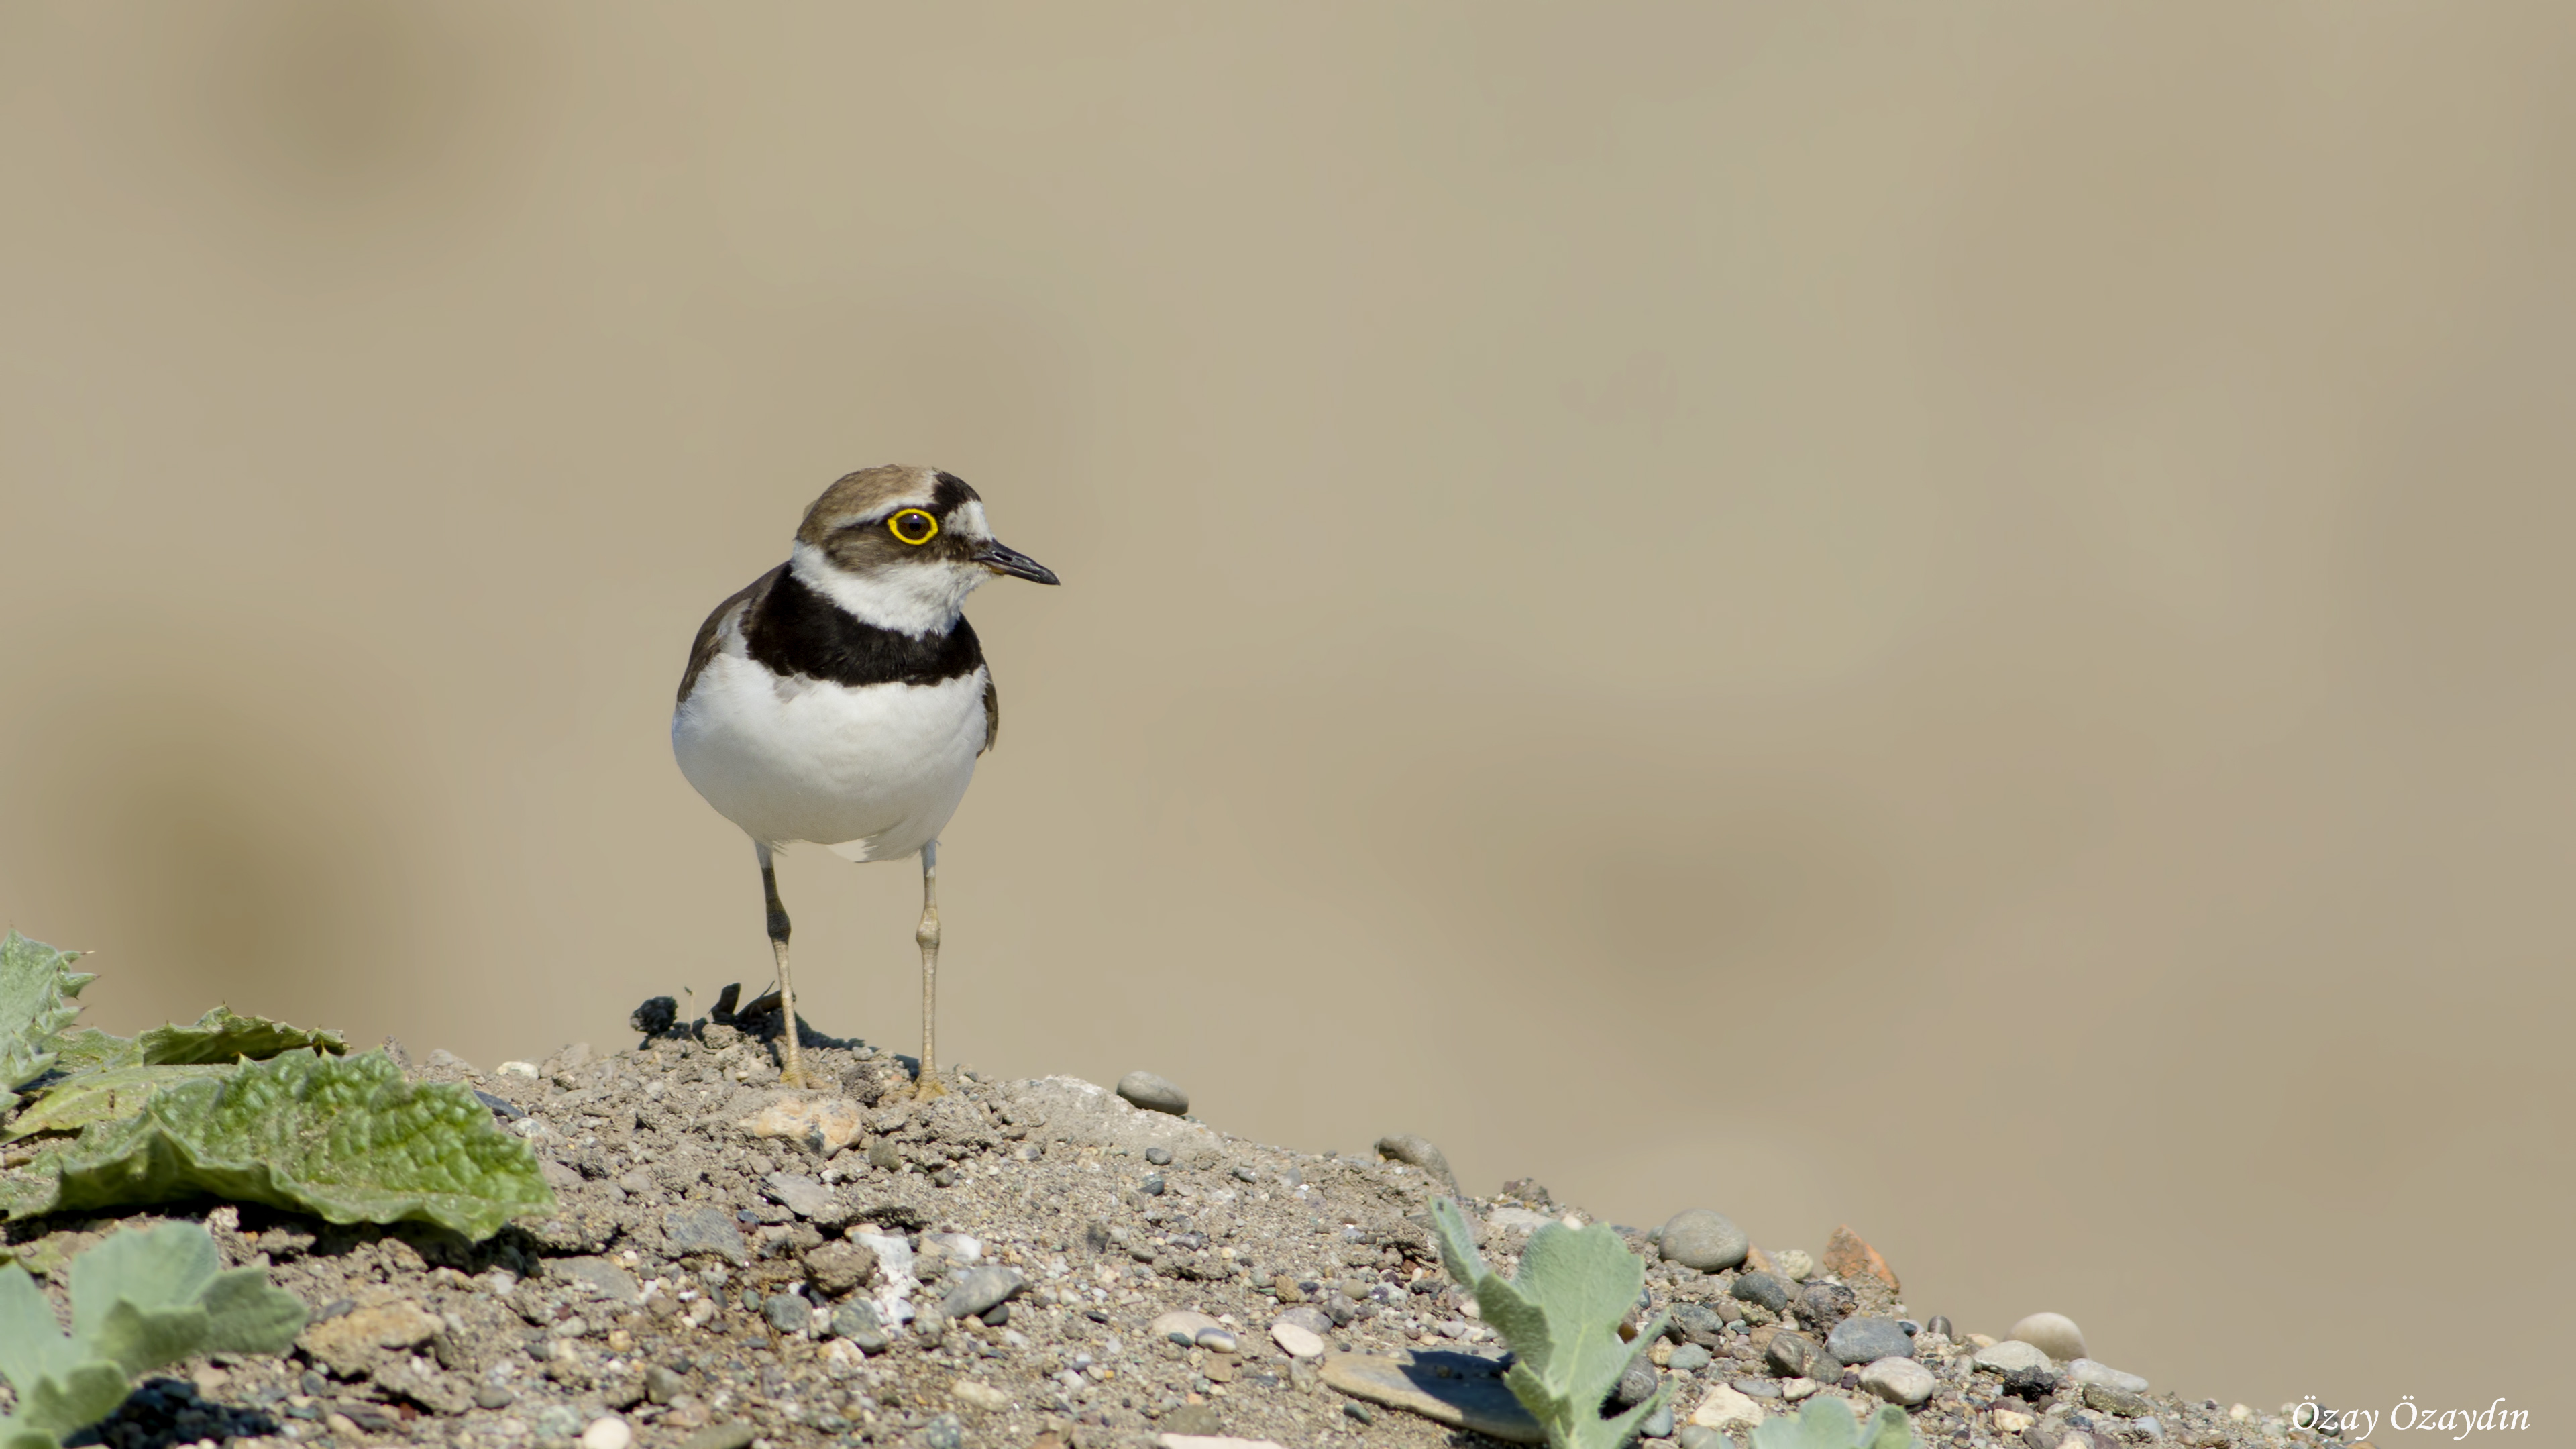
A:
{"x":1152,"y":1186}
{"x":1659,"y":1424}
{"x":1822,"y":1305}
{"x":1636,"y":1385}
{"x":1702,"y":1239}
{"x":1159,"y":1156}
{"x":857,"y":1321}
{"x":943,"y":1432}
{"x":1862,"y":1339}
{"x":1940,"y":1324}
{"x":1690,"y":1358}
{"x":789,"y":1313}
{"x":1701,"y":1436}
{"x":1761,"y":1288}
{"x":493,"y":1396}
{"x":1246,"y":1174}
{"x":1144,"y":1089}
{"x":981,"y":1291}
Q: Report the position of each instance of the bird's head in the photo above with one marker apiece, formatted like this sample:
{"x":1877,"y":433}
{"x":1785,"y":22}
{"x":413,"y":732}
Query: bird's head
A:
{"x":902,"y":547}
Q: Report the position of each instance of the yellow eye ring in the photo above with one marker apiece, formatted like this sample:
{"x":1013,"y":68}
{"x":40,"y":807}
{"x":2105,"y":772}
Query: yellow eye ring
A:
{"x":914,"y":526}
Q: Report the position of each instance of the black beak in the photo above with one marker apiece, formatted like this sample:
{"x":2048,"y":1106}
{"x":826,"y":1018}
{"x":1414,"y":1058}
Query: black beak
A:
{"x":1018,"y":565}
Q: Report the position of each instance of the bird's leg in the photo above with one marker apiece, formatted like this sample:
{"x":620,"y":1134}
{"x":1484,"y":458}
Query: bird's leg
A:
{"x":794,"y":1072}
{"x":928,"y":936}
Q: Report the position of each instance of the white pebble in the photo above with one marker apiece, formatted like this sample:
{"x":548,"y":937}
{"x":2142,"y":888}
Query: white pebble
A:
{"x":608,"y":1433}
{"x":1297,"y":1340}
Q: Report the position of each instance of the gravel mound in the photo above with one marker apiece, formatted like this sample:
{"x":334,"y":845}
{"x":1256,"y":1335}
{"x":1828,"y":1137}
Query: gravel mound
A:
{"x":1015,"y":1263}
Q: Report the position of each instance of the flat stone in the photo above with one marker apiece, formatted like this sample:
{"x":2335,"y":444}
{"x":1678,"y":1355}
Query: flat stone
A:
{"x":1796,"y":1389}
{"x":608,"y":1433}
{"x":1658,"y":1424}
{"x":2053,"y":1334}
{"x":1456,"y":1389}
{"x":1796,"y":1356}
{"x":1703,"y":1239}
{"x":821,"y":1125}
{"x":1701,"y":1325}
{"x":598,"y":1277}
{"x":1899,"y":1381}
{"x":2086,"y":1371}
{"x":980,"y":1291}
{"x":1863,"y":1339}
{"x":1690,"y":1358}
{"x":979,"y":1395}
{"x":837,"y":1269}
{"x":806,"y":1197}
{"x":788,"y":1312}
{"x":2013,"y":1354}
{"x":721,"y":1436}
{"x":1144,"y":1089}
{"x":1849,"y":1257}
{"x":1758,"y":1388}
{"x":2126,"y":1403}
{"x":1309,"y":1317}
{"x":347,"y":1343}
{"x":1212,"y":1441}
{"x":1414,"y":1149}
{"x":1700,"y":1436}
{"x":1726,"y":1408}
{"x":493,"y":1396}
{"x":705,"y":1229}
{"x":2011,"y":1421}
{"x":857,"y":1321}
{"x":1297,"y":1340}
{"x":1762,"y":1288}
{"x":1182,"y":1325}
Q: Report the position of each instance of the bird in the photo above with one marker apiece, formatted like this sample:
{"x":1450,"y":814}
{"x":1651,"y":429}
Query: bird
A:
{"x":841,"y":699}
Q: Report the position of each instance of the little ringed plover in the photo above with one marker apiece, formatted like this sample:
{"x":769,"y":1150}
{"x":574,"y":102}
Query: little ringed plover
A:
{"x":843,"y":699}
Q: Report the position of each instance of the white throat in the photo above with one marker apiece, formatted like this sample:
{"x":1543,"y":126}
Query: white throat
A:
{"x":919,"y":600}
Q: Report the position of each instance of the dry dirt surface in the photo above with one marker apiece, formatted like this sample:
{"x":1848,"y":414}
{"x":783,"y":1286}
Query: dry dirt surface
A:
{"x":736,"y":1263}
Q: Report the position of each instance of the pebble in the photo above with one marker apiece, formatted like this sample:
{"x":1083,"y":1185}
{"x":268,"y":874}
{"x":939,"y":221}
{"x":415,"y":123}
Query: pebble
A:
{"x":2053,"y":1334}
{"x":493,"y":1396}
{"x":705,"y":1229}
{"x":1314,"y":1320}
{"x":1659,"y":1424}
{"x":1152,"y":1093}
{"x":1823,"y":1305}
{"x":1899,"y":1381}
{"x":1758,"y":1388}
{"x":788,"y":1312}
{"x":980,"y":1290}
{"x":2126,"y":1403}
{"x":837,"y":1268}
{"x":1793,"y":1264}
{"x":1761,"y":1288}
{"x":2086,"y":1371}
{"x":804,"y":1196}
{"x":1414,"y":1149}
{"x":1703,"y":1239}
{"x":607,"y":1433}
{"x":1700,"y":1436}
{"x":1941,"y":1325}
{"x":1159,"y":1156}
{"x":1795,"y":1389}
{"x":1863,"y":1339}
{"x":2032,"y":1384}
{"x":1690,"y":1358}
{"x":1794,"y":1355}
{"x":857,"y":1321}
{"x":1636,"y":1385}
{"x":1182,"y":1326}
{"x":2012,"y":1421}
{"x":1219,"y":1340}
{"x":2012,"y":1354}
{"x":976,"y":1394}
{"x":721,"y":1436}
{"x":1724,"y":1408}
{"x":1296,"y":1339}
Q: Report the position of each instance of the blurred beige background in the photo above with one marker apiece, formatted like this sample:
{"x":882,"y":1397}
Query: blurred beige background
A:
{"x":1957,"y":622}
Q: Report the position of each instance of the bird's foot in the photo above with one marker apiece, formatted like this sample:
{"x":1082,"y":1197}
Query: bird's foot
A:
{"x":927,"y":1088}
{"x":797,"y":1077}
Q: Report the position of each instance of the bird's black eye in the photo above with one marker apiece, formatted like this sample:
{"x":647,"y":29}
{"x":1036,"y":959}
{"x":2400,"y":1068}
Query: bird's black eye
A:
{"x":914,"y":526}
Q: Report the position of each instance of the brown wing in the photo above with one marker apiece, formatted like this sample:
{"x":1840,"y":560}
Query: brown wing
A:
{"x":702,"y":650}
{"x":992,"y":710}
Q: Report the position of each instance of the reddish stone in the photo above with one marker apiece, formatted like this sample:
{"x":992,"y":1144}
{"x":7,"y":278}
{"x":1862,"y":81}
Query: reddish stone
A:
{"x":1848,"y":1257}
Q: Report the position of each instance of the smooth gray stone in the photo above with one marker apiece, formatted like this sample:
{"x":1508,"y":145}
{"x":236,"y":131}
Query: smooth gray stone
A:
{"x":1690,"y":1358}
{"x":1796,"y":1356}
{"x":2053,"y":1334}
{"x":1144,"y":1089}
{"x":2086,"y":1371}
{"x":805,"y":1197}
{"x":980,"y":1290}
{"x":789,"y":1313}
{"x":857,"y":1321}
{"x":1636,"y":1385}
{"x":1701,"y":1436}
{"x":2111,"y":1400}
{"x":1862,"y":1339}
{"x":705,"y":1229}
{"x":1899,"y":1381}
{"x":1703,"y":1239}
{"x":1414,"y":1149}
{"x":2012,"y":1354}
{"x":1761,"y":1288}
{"x":598,"y":1277}
{"x":1659,"y":1424}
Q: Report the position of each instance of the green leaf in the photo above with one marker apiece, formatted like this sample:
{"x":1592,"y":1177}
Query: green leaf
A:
{"x":72,"y":1103}
{"x":220,"y":1036}
{"x":1561,"y":1314}
{"x":91,"y":1050}
{"x":37,"y":985}
{"x":85,"y":1395}
{"x":1826,"y":1423}
{"x":245,"y":1315}
{"x":343,"y":1138}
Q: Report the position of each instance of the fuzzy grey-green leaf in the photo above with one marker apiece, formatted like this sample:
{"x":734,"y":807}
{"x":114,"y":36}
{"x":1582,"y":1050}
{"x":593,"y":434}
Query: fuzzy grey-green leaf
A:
{"x":1826,"y":1423}
{"x":37,"y":987}
{"x":219,"y":1036}
{"x":344,"y":1138}
{"x":71,"y":1103}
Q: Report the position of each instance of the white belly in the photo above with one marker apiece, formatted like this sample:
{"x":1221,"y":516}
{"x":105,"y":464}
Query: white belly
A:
{"x":873,"y":772}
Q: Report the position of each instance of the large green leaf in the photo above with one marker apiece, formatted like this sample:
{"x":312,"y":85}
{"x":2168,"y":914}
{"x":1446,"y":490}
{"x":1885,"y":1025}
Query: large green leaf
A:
{"x":220,"y":1036}
{"x":74,"y":1102}
{"x":37,"y":987}
{"x":140,"y":1301}
{"x":1561,"y":1314}
{"x":92,"y":1050}
{"x":343,"y":1138}
{"x":1827,"y":1423}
